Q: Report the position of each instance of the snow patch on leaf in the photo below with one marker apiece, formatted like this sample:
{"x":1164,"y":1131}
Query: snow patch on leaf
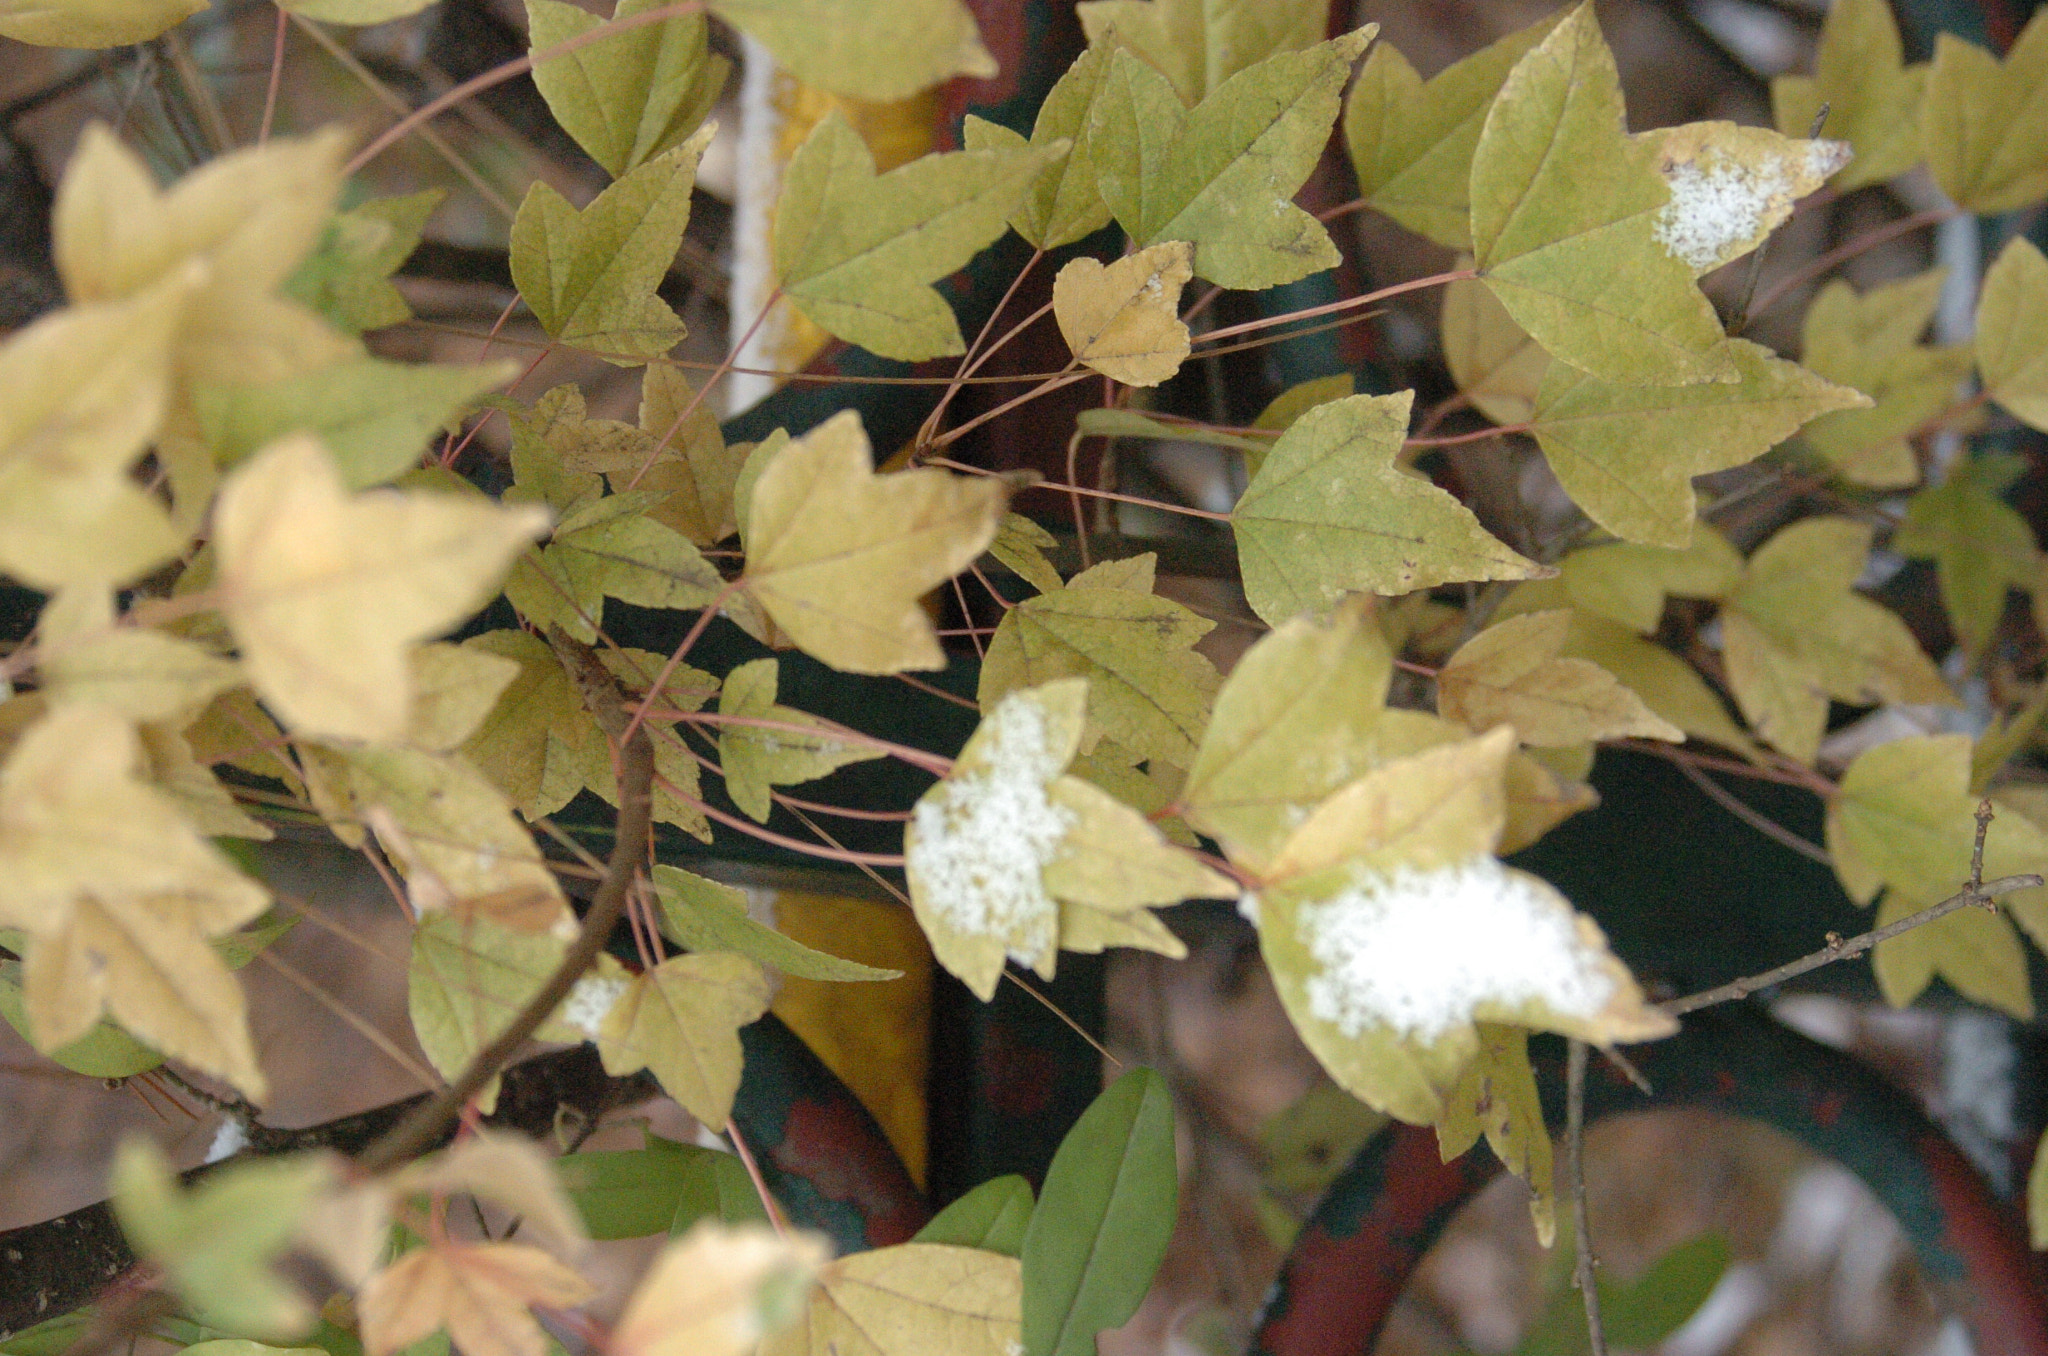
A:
{"x":984,"y":836}
{"x":1421,"y":950}
{"x":591,"y":1001}
{"x":1726,"y":197}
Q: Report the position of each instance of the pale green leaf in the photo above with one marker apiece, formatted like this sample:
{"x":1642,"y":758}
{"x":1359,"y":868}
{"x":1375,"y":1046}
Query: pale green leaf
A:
{"x":681,"y":1020}
{"x":374,"y":416}
{"x":628,"y":98}
{"x":144,"y":674}
{"x":1063,"y":205}
{"x":467,"y":979}
{"x":1628,"y":583}
{"x":1496,"y":1095}
{"x":1411,"y":141}
{"x":1872,"y":96}
{"x":589,"y":276}
{"x":1497,"y":366}
{"x":1980,"y":545}
{"x":92,"y":23}
{"x":858,"y":252}
{"x":866,"y":51}
{"x":1199,"y":44}
{"x":347,"y":277}
{"x":1329,"y":514}
{"x":1514,"y":673}
{"x":703,"y":915}
{"x":694,"y":469}
{"x":754,"y":759}
{"x":1627,"y":454}
{"x":357,"y":12}
{"x":2012,"y":331}
{"x":1984,"y":122}
{"x":1021,"y":545}
{"x":1868,"y":341}
{"x":1221,"y":175}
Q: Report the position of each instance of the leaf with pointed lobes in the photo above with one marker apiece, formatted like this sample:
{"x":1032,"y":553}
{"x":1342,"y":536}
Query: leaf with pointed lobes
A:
{"x":1629,"y":584}
{"x":1627,"y":455}
{"x":839,"y":556}
{"x":1063,"y":204}
{"x":1868,"y":341}
{"x":1328,"y":514}
{"x":681,"y":1020}
{"x":913,"y":1299}
{"x":1565,"y":210}
{"x":1981,"y":547}
{"x":1411,"y":140}
{"x":857,"y":48}
{"x":630,"y":97}
{"x":1872,"y":97}
{"x":1514,"y":673}
{"x":117,"y":895}
{"x":755,"y":759}
{"x":326,"y":592}
{"x":1123,"y":319}
{"x":1984,"y":122}
{"x":719,"y":1290}
{"x":2012,"y":331}
{"x":347,"y":277}
{"x":858,"y":251}
{"x":1199,"y":44}
{"x":1796,"y":633}
{"x":1222,"y":175}
{"x":589,"y":275}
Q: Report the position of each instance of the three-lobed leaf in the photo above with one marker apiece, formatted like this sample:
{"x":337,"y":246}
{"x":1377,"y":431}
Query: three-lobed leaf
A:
{"x":632,"y":96}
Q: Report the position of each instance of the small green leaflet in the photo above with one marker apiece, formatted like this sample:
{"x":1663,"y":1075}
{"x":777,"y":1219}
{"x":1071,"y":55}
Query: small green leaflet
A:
{"x":1221,"y":175}
{"x":2012,"y":331}
{"x":610,"y":548}
{"x":589,"y":276}
{"x":1199,"y":44}
{"x":704,"y":915}
{"x":1981,"y":547}
{"x":1329,"y":514}
{"x":858,"y":252}
{"x":1872,"y":96}
{"x":993,"y":1216}
{"x":877,"y":52}
{"x":1103,"y":1219}
{"x":1984,"y":123}
{"x":347,"y":277}
{"x":1063,"y":204}
{"x":755,"y":759}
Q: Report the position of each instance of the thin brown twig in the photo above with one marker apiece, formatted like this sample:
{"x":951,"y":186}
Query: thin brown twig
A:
{"x":1981,"y":894}
{"x":1575,"y":1155}
{"x":1748,"y":814}
{"x":1842,"y":254}
{"x":420,"y":1129}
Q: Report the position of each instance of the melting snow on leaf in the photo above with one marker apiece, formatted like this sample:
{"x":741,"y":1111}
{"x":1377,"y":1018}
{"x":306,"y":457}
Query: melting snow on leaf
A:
{"x":1421,"y":950}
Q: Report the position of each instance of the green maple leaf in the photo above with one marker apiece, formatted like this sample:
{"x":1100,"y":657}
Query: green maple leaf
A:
{"x":1872,"y":96}
{"x":1628,"y":583}
{"x":1868,"y":341}
{"x":374,"y":416}
{"x":589,"y":276}
{"x":1329,"y":514}
{"x":1980,"y":546}
{"x":631,"y":97}
{"x":347,"y":277}
{"x":609,"y":548}
{"x":1411,"y":140}
{"x":1063,"y":204}
{"x":2012,"y":331}
{"x":1564,"y":222}
{"x":1199,"y":44}
{"x":682,"y":1021}
{"x":756,"y":759}
{"x":858,"y":252}
{"x":1147,"y":687}
{"x":1220,"y":175}
{"x":1627,"y":454}
{"x":1985,"y":123}
{"x":1796,"y":633}
{"x":1497,"y":366}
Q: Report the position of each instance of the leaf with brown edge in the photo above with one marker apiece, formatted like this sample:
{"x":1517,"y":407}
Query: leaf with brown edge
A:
{"x":908,"y":1300}
{"x":1513,"y":673}
{"x":839,"y":556}
{"x":117,"y":895}
{"x":1123,"y":319}
{"x":326,"y":592}
{"x":1329,"y":514}
{"x":481,"y":1294}
{"x":1564,"y":220}
{"x":681,"y":1020}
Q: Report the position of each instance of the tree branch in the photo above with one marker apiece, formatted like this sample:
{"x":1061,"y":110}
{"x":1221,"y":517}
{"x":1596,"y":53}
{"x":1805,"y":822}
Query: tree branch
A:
{"x":1574,"y":1145}
{"x":1838,"y":949}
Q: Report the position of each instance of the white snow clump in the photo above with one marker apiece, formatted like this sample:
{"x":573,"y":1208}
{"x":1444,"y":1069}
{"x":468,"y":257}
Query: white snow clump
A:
{"x":983,"y":836}
{"x":591,"y":1001}
{"x":1718,"y":202}
{"x":1418,"y":950}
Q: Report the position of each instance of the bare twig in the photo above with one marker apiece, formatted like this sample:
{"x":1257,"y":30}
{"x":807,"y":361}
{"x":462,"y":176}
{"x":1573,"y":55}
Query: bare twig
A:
{"x":1981,"y":894}
{"x":1575,"y":1161}
{"x":419,"y":1130}
{"x":1977,"y":844}
{"x":1869,"y":240}
{"x":1748,"y":814}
